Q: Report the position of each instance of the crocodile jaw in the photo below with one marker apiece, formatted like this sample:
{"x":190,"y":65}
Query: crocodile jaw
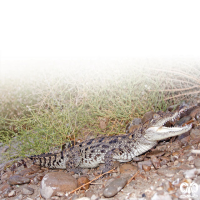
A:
{"x":158,"y":131}
{"x":161,"y":133}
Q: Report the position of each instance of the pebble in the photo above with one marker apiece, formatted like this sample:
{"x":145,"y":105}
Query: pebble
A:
{"x":128,"y":169}
{"x":164,"y":160}
{"x":114,"y":187}
{"x":172,"y":107}
{"x":167,"y":172}
{"x":146,"y":162}
{"x":60,"y":194}
{"x":4,"y":188}
{"x":27,"y":190}
{"x":131,"y":128}
{"x":195,"y":112}
{"x":19,"y":197}
{"x":164,"y":196}
{"x":26,"y":171}
{"x":138,"y":158}
{"x":146,"y":168}
{"x":12,"y":193}
{"x":192,"y":173}
{"x":83,"y":180}
{"x":195,"y":133}
{"x":18,"y":180}
{"x":156,"y":153}
{"x":147,"y":116}
{"x":197,"y":163}
{"x":35,"y":168}
{"x":54,"y":182}
{"x":155,"y":161}
{"x":35,"y":180}
{"x":83,"y":198}
{"x":55,"y":198}
{"x":133,"y":125}
{"x":6,"y":175}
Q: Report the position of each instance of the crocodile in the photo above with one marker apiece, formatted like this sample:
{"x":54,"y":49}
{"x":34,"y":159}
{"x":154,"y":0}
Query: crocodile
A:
{"x":121,"y":148}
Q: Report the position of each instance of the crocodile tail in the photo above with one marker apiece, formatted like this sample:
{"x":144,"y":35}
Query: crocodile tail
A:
{"x":49,"y":160}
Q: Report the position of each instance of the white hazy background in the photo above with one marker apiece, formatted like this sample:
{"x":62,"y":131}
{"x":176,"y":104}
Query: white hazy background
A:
{"x":32,"y":64}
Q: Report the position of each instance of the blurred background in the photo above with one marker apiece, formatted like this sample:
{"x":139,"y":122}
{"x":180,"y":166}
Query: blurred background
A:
{"x":67,"y":67}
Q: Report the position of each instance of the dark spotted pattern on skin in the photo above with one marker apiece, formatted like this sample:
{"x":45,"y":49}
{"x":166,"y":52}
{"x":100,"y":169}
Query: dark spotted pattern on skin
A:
{"x":92,"y":152}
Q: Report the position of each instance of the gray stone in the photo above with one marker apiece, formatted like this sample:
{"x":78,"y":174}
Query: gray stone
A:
{"x":167,"y":172}
{"x":27,"y":190}
{"x":12,"y":193}
{"x":114,"y":187}
{"x":164,"y":196}
{"x":197,"y":163}
{"x":146,"y":162}
{"x":18,"y":180}
{"x":57,"y":182}
{"x":19,"y":197}
{"x":191,"y":173}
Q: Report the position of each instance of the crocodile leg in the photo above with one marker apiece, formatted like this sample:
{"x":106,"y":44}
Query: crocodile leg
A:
{"x":74,"y":159}
{"x":109,"y":158}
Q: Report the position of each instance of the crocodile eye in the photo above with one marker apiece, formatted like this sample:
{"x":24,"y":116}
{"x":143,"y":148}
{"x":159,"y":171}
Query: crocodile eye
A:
{"x":156,"y":116}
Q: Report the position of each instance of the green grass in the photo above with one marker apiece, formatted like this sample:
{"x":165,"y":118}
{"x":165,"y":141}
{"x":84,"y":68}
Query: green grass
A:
{"x":57,"y":106}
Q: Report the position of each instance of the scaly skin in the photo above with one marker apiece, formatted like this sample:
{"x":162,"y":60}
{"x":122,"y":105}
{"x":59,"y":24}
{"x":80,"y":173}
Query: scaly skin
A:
{"x":122,"y":148}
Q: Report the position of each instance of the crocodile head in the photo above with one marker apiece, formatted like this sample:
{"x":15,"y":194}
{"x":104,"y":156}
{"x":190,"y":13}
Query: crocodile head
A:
{"x":158,"y":131}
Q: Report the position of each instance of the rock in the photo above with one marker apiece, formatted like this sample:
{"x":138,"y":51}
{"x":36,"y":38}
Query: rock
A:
{"x":18,"y":180}
{"x":155,"y":161}
{"x":183,"y":121}
{"x":164,"y":196}
{"x":5,"y":188}
{"x":146,"y":162}
{"x":155,"y":153}
{"x":60,"y":194}
{"x":26,"y":171}
{"x":167,"y":172}
{"x":19,"y":197}
{"x":128,"y":169}
{"x":27,"y":190}
{"x":195,"y":133}
{"x":35,"y":168}
{"x":191,"y":173}
{"x":131,"y":128}
{"x":12,"y":193}
{"x":172,"y":107}
{"x":197,"y":163}
{"x":195,"y":113}
{"x":54,"y":182}
{"x":133,"y":125}
{"x":146,"y":168}
{"x":138,"y":158}
{"x":147,"y":116}
{"x":6,"y":175}
{"x":40,"y":177}
{"x":83,"y":198}
{"x":164,"y":160}
{"x":83,"y":180}
{"x":94,"y":197}
{"x":55,"y":198}
{"x":114,"y":187}
{"x":175,"y":155}
{"x":35,"y":180}
{"x":184,"y":138}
